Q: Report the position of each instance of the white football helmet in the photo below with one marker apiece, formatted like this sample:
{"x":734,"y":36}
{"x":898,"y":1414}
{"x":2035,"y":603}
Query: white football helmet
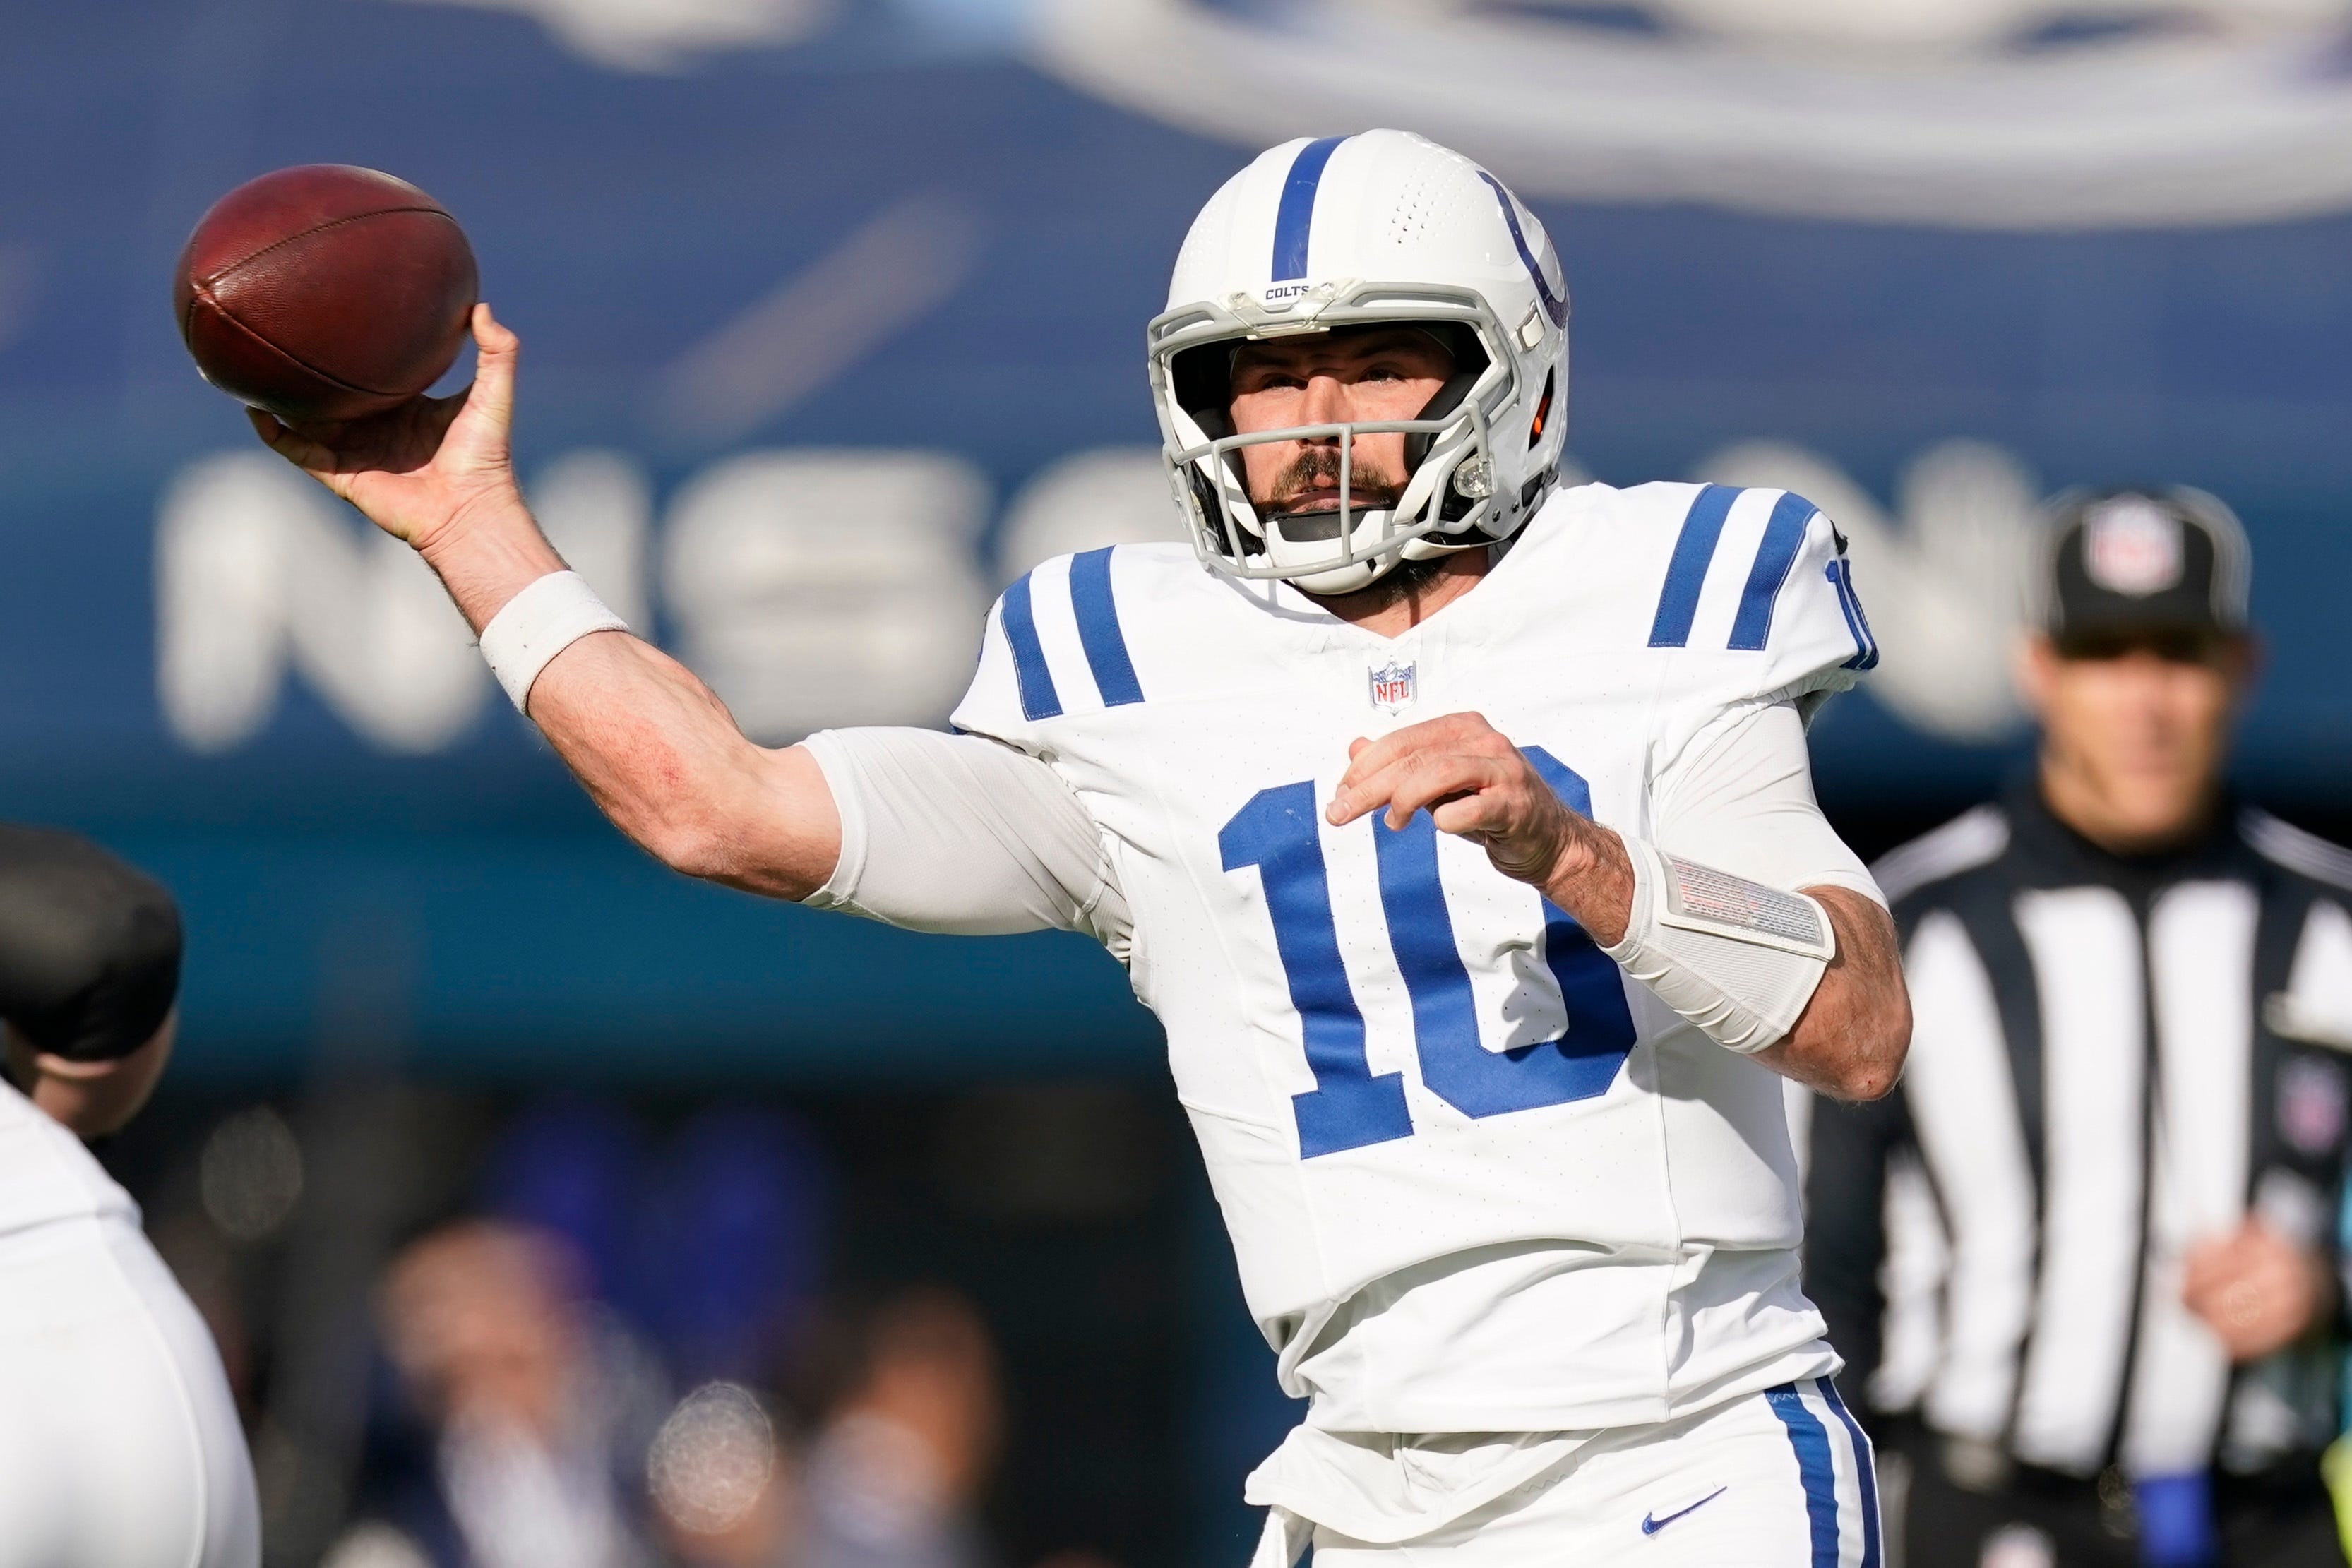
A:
{"x":1345,"y":231}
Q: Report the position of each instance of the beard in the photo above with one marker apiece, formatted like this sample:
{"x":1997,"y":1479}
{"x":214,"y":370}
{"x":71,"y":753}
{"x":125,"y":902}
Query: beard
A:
{"x":1402,"y":581}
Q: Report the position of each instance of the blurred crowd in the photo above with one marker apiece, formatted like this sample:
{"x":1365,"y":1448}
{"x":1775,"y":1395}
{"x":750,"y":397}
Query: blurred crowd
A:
{"x":601,"y":1352}
{"x":531,"y":1429}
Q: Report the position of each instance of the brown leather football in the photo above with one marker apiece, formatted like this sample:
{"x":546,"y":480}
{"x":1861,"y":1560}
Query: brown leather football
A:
{"x":325,"y":292}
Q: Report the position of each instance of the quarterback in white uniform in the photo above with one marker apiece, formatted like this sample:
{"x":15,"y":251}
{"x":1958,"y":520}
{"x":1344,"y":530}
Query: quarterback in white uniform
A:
{"x":1460,"y":833}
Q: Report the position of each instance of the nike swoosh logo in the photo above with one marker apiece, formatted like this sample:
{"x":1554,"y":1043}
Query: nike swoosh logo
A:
{"x":1651,"y":1526}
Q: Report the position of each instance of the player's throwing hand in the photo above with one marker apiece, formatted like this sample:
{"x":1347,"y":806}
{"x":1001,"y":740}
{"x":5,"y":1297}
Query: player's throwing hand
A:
{"x":421,"y":468}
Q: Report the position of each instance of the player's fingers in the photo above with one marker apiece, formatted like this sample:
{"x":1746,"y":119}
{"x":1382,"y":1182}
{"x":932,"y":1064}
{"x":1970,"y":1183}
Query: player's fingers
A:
{"x":494,"y":366}
{"x":1371,"y":779}
{"x":1467,"y":732}
{"x":1366,"y":756}
{"x":1359,"y":790}
{"x":1428,"y":778}
{"x":300,"y":451}
{"x":1468,"y":815}
{"x":1366,"y":786}
{"x":1446,"y":730}
{"x":1356,"y":793}
{"x":494,"y":335}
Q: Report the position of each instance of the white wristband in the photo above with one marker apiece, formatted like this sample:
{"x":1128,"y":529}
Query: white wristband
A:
{"x":544,"y":619}
{"x":1736,"y":957}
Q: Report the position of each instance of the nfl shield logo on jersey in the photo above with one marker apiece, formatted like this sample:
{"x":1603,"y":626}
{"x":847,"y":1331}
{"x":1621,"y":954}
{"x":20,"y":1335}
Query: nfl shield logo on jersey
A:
{"x":1392,"y":686}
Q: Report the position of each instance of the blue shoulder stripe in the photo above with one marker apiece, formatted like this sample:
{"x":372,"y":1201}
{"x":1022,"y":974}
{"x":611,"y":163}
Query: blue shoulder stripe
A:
{"x":1038,"y":697}
{"x":1687,"y":573}
{"x":1783,"y":533}
{"x":1866,"y":644}
{"x":1294,"y":217}
{"x":1099,"y":631}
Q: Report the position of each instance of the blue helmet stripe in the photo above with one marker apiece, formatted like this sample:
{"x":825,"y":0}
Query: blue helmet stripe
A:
{"x":1553,"y":307}
{"x":1296,"y":216}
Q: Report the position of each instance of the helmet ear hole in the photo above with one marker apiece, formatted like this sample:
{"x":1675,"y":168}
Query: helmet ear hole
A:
{"x":1543,"y":411}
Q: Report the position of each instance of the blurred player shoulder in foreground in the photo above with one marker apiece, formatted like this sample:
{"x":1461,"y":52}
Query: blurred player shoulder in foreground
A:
{"x":119,"y":1445}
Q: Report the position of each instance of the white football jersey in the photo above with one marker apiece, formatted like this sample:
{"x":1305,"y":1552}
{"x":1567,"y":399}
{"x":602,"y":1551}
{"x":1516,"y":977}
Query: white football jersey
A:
{"x":1431,"y":1109}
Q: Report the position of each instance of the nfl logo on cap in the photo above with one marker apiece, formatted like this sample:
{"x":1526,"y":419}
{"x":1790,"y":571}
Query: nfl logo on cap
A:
{"x":1392,"y":686}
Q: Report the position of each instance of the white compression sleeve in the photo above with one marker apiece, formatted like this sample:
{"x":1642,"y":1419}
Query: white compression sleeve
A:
{"x":961,"y":833}
{"x":1716,"y":930}
{"x":1740,"y":796}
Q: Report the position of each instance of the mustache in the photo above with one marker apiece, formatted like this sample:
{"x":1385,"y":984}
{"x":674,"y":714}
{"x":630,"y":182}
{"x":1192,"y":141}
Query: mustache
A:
{"x":1317,"y":468}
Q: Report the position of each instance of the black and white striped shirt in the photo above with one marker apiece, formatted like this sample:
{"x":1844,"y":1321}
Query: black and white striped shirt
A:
{"x":2113,"y":1059}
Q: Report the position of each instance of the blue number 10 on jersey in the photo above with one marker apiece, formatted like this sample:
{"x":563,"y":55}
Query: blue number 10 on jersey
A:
{"x":1280,"y":832}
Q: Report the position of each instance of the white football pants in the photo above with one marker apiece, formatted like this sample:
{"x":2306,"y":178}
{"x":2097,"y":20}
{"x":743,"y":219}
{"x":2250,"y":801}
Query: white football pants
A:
{"x":119,"y":1445}
{"x":1778,"y":1479}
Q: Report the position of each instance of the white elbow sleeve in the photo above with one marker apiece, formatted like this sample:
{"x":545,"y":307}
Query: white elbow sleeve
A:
{"x":1736,"y":957}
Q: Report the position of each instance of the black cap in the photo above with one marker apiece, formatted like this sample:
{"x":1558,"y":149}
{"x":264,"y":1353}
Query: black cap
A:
{"x":2157,"y":561}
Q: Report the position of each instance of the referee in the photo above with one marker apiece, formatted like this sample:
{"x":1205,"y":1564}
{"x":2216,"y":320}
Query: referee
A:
{"x":2083,"y":1265}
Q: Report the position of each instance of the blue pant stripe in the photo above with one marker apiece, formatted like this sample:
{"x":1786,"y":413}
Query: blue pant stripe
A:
{"x":1814,"y":1466}
{"x":1783,"y":533}
{"x":1687,"y":573}
{"x":1099,"y":631}
{"x":1038,"y":697}
{"x":1294,"y":219}
{"x":1865,"y":1472}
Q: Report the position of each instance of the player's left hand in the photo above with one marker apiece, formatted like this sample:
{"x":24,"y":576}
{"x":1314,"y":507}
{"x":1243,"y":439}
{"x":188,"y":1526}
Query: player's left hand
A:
{"x":2256,"y":1291}
{"x":1473,"y":781}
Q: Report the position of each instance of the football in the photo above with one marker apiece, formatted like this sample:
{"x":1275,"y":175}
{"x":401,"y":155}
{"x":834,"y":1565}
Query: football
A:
{"x":325,"y":292}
